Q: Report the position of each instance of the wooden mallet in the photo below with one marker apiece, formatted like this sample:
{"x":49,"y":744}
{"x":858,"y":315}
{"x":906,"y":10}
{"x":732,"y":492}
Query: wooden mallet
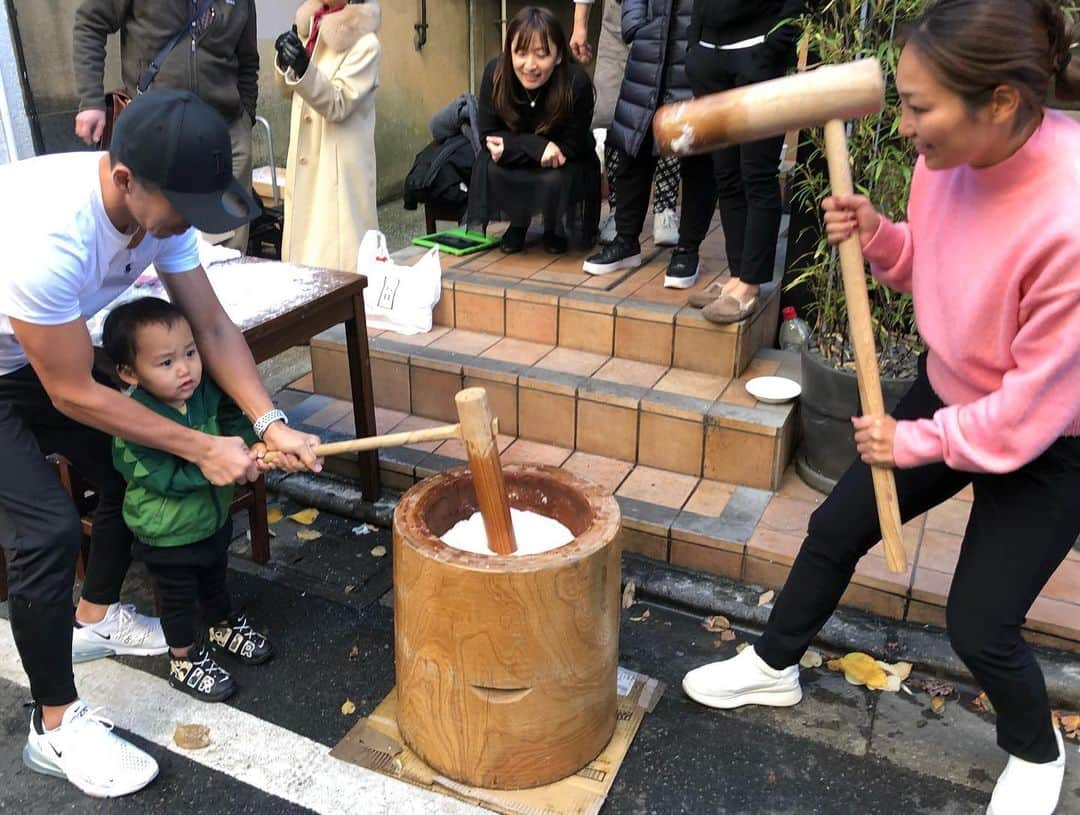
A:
{"x":477,"y":429}
{"x":828,"y":95}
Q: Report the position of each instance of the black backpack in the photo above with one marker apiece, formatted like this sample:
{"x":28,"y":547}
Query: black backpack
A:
{"x":440,"y":174}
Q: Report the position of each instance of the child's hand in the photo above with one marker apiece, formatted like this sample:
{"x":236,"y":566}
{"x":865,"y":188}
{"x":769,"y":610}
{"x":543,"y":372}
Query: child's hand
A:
{"x":495,"y":147}
{"x":846,"y":213}
{"x":553,"y":156}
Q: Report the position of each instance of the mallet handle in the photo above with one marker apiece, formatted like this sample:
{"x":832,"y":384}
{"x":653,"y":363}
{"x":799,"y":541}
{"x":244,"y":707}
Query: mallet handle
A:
{"x":862,"y":341}
{"x":441,"y":433}
{"x":480,"y":444}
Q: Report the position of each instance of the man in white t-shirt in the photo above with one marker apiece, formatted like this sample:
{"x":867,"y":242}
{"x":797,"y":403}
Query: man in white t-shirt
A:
{"x":76,"y":230}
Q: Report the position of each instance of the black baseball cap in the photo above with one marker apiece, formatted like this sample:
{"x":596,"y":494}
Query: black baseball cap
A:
{"x":175,"y":141}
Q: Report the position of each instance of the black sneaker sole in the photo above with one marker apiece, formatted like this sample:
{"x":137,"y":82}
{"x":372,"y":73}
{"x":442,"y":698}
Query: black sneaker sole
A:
{"x":630,"y":262}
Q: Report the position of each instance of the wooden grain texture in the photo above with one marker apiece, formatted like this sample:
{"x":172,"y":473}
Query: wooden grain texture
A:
{"x":506,"y":665}
{"x":862,"y":341}
{"x":474,"y":416}
{"x":753,"y":112}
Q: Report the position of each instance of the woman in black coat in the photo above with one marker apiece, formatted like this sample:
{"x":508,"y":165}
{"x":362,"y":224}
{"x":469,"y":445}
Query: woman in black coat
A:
{"x":539,"y":157}
{"x":738,"y":43}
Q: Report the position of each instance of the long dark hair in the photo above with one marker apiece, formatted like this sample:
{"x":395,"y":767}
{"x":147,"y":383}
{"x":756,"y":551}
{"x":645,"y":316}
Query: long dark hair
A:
{"x":974,"y":46}
{"x":529,"y":23}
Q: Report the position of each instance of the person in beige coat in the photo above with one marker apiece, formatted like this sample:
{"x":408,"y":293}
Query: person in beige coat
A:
{"x":329,"y":62}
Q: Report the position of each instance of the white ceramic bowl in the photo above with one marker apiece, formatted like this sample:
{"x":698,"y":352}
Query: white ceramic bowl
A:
{"x":773,"y":389}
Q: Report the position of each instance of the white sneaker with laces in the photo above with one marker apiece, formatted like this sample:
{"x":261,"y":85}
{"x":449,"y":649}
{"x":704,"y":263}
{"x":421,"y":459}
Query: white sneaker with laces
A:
{"x":85,"y":751}
{"x":1024,"y":788}
{"x":122,"y":631}
{"x":745,"y":679}
{"x":607,"y":230}
{"x":665,"y":230}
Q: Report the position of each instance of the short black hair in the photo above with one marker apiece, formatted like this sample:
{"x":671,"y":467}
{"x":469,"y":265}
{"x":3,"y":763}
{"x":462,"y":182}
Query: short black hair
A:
{"x":118,"y":333}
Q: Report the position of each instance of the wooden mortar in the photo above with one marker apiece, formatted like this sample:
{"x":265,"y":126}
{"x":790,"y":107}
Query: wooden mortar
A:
{"x":506,"y":665}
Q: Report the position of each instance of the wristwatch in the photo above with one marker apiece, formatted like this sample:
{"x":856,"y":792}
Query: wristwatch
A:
{"x":263,"y":422}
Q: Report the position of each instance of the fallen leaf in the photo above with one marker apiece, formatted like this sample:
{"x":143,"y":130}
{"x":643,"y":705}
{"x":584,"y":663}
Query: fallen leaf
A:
{"x":937,"y":703}
{"x":716,"y":623}
{"x":811,"y":659}
{"x":766,"y":598}
{"x":191,"y":736}
{"x":348,"y":708}
{"x":628,"y":593}
{"x":354,"y":653}
{"x":728,"y":635}
{"x":982,"y":704}
{"x":742,"y":646}
{"x":1069,"y":723}
{"x":378,"y":551}
{"x":863,"y":669}
{"x":274,"y":514}
{"x":305,"y":516}
{"x":308,"y":534}
{"x":350,"y":589}
{"x":273,"y":534}
{"x":644,"y":616}
{"x":902,"y":670}
{"x":934,"y":687}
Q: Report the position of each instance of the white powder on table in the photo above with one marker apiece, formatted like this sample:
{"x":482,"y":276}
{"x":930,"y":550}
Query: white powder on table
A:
{"x":533,"y":532}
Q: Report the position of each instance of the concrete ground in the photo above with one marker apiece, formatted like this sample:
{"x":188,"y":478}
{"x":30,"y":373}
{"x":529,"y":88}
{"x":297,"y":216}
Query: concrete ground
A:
{"x":326,"y":605}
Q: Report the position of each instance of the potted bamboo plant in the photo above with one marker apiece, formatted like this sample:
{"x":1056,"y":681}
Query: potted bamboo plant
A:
{"x":882,"y":163}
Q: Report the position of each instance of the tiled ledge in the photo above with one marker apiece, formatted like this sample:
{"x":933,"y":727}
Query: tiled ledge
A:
{"x":669,"y":418}
{"x":743,"y":533}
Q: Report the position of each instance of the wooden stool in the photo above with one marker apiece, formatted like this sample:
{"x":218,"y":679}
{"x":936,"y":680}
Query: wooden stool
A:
{"x":251,"y":498}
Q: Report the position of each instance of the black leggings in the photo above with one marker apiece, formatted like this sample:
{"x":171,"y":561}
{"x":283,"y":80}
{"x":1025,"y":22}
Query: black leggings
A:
{"x":1022,"y":525}
{"x":186,"y":576}
{"x":41,"y":531}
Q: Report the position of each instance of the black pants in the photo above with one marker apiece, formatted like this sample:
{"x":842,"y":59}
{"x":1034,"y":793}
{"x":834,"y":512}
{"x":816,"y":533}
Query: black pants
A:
{"x":633,"y":184}
{"x":1021,"y":527}
{"x":742,"y":178}
{"x":41,"y":531}
{"x":186,"y":576}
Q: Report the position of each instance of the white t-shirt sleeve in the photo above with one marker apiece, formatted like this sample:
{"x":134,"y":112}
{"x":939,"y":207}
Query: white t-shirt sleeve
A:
{"x":45,"y":289}
{"x":179,"y":253}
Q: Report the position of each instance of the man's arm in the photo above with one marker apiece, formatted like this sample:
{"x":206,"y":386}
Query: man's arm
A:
{"x":579,"y":39}
{"x":95,"y":20}
{"x":63,"y":356}
{"x":228,"y":359}
{"x":247,"y":65}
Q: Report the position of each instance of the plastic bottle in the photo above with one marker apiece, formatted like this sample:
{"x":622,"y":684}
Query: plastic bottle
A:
{"x":794,"y":332}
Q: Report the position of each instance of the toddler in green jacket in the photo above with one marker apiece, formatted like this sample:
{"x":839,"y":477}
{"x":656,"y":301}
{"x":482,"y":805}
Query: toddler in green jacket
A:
{"x":180,"y":521}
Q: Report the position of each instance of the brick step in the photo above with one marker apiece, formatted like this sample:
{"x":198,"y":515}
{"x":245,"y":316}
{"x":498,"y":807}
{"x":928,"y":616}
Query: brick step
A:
{"x":710,"y":525}
{"x":539,"y":298}
{"x":671,"y":418}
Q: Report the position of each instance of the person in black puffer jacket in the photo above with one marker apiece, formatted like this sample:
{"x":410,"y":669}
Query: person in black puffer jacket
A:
{"x":657,"y":31}
{"x":737,"y":43}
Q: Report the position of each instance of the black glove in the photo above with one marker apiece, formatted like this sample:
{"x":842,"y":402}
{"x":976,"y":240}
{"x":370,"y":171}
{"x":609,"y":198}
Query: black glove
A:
{"x":291,"y":52}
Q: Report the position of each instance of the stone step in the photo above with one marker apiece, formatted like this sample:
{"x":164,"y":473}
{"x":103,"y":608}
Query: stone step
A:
{"x":736,"y":531}
{"x":663,"y":416}
{"x":629,"y":314}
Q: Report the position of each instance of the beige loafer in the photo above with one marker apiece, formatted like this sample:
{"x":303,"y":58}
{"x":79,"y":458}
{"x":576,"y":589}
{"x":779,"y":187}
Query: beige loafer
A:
{"x":729,"y":309}
{"x":702,"y":298}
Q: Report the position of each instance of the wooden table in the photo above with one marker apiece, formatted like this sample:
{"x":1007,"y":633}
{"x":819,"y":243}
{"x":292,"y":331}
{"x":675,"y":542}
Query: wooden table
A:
{"x":279,"y":306}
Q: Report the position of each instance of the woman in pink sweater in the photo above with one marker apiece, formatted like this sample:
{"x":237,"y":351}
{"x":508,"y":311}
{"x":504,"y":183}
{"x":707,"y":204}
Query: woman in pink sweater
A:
{"x":991,"y":253}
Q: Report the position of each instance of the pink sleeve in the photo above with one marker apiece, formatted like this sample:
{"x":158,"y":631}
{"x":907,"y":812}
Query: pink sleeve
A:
{"x":1038,"y":399}
{"x":890,"y":254}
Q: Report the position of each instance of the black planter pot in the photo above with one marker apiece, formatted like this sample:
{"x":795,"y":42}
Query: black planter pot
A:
{"x":830,"y":397}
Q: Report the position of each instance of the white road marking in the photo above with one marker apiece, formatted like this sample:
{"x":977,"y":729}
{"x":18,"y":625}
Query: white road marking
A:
{"x":267,"y":757}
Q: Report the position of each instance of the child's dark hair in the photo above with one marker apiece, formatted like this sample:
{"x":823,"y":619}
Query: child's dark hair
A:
{"x":118,"y":333}
{"x":527,"y":24}
{"x":974,"y":46}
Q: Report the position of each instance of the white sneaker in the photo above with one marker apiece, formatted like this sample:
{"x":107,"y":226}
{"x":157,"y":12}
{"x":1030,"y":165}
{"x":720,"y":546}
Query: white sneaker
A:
{"x":607,"y":230}
{"x":122,"y":631}
{"x":665,"y":231}
{"x":85,"y":751}
{"x":745,"y":679}
{"x":1024,"y":788}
